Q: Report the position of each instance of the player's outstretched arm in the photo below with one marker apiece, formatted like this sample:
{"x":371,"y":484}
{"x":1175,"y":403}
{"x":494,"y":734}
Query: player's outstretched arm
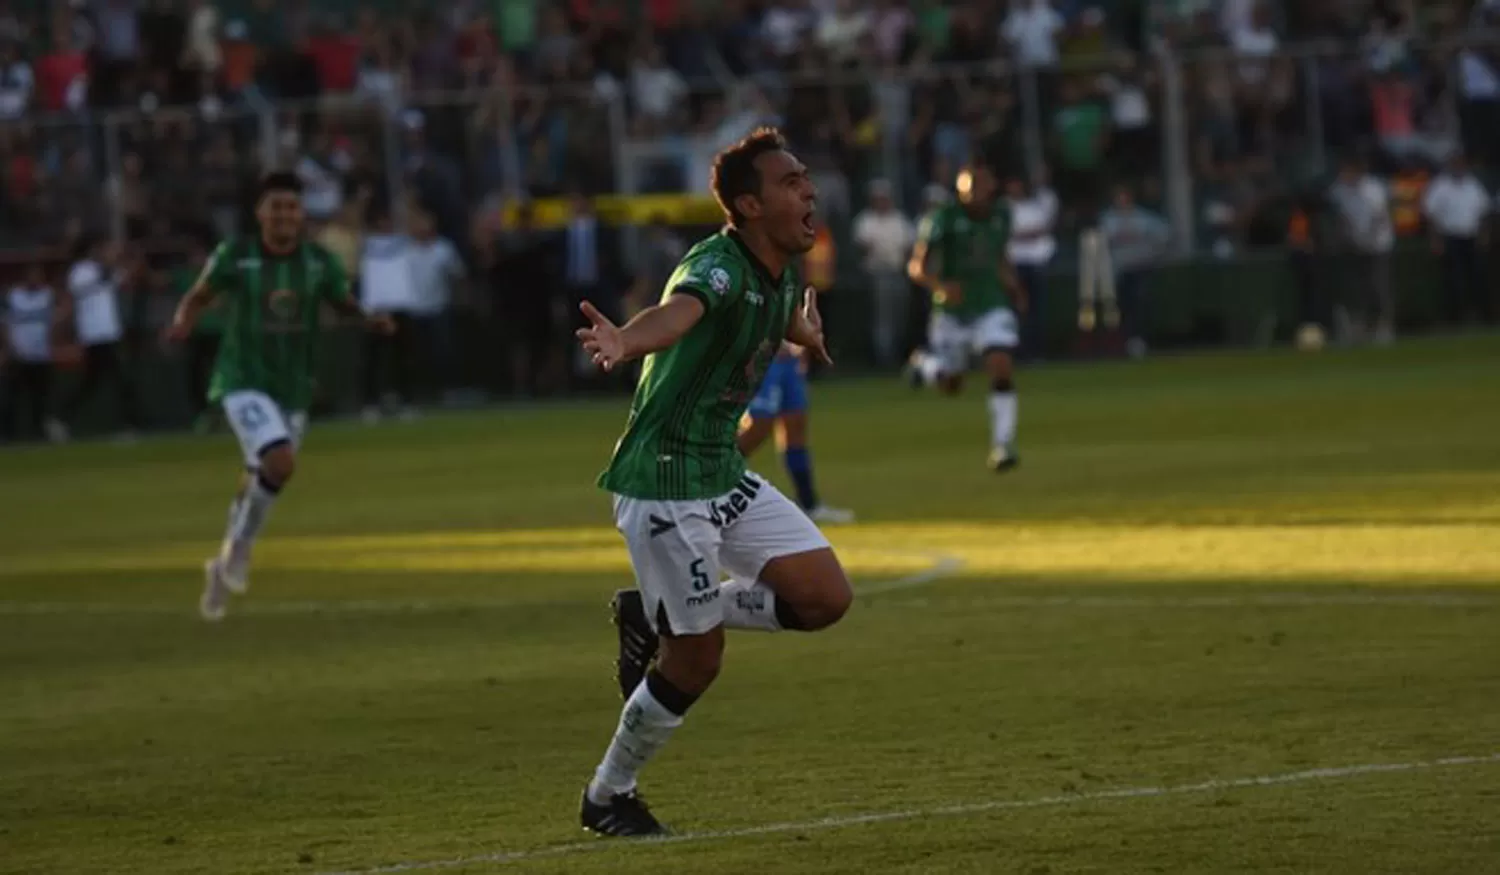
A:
{"x":185,"y":317}
{"x":652,"y":330}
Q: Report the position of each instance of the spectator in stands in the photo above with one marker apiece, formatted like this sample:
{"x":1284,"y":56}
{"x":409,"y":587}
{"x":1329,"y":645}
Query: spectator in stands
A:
{"x":439,"y":274}
{"x":1479,"y":106}
{"x":63,"y":75}
{"x":29,"y":317}
{"x":16,"y":81}
{"x":841,"y":31}
{"x":1033,"y":211}
{"x":1254,"y":41}
{"x":656,"y":90}
{"x":388,"y":286}
{"x":95,"y":280}
{"x":1137,"y":239}
{"x":885,"y":236}
{"x":1134,"y":149}
{"x":1364,"y":210}
{"x":1032,"y":29}
{"x":1081,"y":135}
{"x":662,"y":251}
{"x":1456,"y":205}
{"x":532,"y":307}
{"x":588,"y":260}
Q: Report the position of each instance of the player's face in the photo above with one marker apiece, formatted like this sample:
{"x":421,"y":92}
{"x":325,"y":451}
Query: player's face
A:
{"x":788,"y":202}
{"x":976,"y":187}
{"x":280,"y":214}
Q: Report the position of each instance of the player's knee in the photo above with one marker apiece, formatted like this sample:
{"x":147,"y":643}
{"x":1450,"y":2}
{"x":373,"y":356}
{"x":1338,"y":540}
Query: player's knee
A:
{"x":831,"y":603}
{"x":692,"y":662}
{"x":998,"y":364}
{"x":278,"y":465}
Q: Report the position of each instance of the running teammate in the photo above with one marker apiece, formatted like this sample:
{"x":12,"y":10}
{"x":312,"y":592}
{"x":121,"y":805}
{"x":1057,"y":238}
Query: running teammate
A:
{"x":683,"y":498}
{"x":961,"y":258}
{"x":272,"y":288}
{"x":781,"y":405}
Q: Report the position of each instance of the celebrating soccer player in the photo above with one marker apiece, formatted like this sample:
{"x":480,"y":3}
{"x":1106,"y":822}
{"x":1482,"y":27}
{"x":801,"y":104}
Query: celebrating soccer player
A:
{"x":273,"y":286}
{"x":960,"y":257}
{"x":683,"y":498}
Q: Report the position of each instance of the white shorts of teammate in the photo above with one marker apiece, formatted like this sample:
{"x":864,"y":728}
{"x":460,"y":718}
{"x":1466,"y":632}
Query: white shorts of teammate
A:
{"x":679,"y":548}
{"x":261,"y":424}
{"x":955,"y":342}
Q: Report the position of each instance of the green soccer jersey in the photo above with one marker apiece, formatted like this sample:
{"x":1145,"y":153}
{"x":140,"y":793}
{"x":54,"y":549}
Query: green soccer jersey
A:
{"x":271,"y":310}
{"x":679,"y":441}
{"x":968,"y":251}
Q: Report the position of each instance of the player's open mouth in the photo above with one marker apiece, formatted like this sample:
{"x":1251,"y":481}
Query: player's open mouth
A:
{"x":807,"y":223}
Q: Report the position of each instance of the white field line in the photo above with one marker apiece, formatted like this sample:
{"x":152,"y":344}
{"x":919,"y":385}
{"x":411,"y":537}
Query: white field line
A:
{"x":959,"y":810}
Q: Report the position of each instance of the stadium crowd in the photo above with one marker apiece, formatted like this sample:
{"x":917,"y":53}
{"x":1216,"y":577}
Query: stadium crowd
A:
{"x":423,"y":127}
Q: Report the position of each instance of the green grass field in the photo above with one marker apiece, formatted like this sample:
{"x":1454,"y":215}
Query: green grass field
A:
{"x":1213,"y":576}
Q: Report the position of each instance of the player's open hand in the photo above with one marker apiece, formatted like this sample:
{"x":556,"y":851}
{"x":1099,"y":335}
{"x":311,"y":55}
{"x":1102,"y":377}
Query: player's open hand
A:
{"x":807,"y":327}
{"x":381,"y":323}
{"x":601,"y":339}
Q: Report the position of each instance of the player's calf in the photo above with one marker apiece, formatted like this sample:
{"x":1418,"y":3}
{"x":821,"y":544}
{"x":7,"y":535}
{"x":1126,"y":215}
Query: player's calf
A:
{"x":1002,"y":404}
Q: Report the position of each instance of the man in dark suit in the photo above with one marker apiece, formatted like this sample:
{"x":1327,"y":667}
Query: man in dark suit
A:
{"x":588,"y":267}
{"x":530,"y":307}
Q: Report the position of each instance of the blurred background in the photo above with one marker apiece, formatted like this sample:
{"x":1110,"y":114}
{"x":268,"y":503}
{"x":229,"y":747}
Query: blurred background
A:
{"x":1262,"y":172}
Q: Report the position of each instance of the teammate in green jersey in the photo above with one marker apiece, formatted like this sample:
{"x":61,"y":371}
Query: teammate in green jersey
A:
{"x":960,"y":257}
{"x":683,"y":498}
{"x":272,"y":288}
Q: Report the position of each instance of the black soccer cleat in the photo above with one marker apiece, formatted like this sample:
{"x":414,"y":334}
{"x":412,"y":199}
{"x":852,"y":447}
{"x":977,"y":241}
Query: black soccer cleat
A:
{"x":626,"y":816}
{"x":1003,"y":459}
{"x":638,"y":641}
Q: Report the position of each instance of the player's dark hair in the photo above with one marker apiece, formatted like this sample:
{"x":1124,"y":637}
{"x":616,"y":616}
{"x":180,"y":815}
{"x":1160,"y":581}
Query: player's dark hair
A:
{"x":735,"y":174}
{"x":278,"y":181}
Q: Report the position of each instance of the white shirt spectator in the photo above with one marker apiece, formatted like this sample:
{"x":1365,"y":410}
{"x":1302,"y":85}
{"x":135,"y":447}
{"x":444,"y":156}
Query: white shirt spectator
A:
{"x":28,"y":323}
{"x":784,"y":27}
{"x":656,"y":89}
{"x":435,"y":268}
{"x":96,"y":303}
{"x":1129,"y":108}
{"x":840,"y":31}
{"x":1258,"y":44}
{"x":322,"y":189}
{"x":201,"y":49}
{"x":886,"y":236}
{"x":1031,"y":222}
{"x":386,"y":282}
{"x":381,"y":85}
{"x":1455,"y":206}
{"x":16,"y":86}
{"x":1032,"y":33}
{"x":1366,"y":209}
{"x":1236,"y":15}
{"x":1477,"y":77}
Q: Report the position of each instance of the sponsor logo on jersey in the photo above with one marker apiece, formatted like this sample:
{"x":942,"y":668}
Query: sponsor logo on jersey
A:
{"x":725,"y":511}
{"x":755,"y":298}
{"x":282,"y":303}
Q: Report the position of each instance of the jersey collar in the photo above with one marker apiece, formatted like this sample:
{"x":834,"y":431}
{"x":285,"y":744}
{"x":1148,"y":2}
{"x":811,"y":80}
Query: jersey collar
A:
{"x":760,"y":266}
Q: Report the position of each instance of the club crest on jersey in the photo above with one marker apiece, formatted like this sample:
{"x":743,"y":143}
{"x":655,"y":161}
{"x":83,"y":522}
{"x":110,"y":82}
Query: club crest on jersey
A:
{"x":282,"y":303}
{"x":718,"y":280}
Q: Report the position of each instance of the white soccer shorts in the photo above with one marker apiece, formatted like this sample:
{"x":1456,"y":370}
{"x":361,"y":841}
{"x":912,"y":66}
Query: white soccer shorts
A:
{"x":260,"y":423}
{"x":679,"y":548}
{"x":955,"y":342}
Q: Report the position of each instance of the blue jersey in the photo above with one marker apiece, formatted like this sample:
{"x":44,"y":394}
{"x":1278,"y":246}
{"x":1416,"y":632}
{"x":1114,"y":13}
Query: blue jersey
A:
{"x":784,"y":389}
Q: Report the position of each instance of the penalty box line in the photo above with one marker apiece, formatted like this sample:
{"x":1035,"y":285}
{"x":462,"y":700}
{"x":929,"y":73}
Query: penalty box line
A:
{"x":962,"y":810}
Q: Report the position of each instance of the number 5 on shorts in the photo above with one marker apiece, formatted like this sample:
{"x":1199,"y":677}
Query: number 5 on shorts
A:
{"x":700,"y":579}
{"x":252,"y":417}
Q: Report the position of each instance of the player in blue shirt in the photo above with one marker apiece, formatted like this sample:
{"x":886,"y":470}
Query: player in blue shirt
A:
{"x":782,"y":401}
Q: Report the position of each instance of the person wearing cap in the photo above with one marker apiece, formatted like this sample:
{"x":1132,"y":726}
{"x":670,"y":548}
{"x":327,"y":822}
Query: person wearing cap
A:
{"x":885,"y":237}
